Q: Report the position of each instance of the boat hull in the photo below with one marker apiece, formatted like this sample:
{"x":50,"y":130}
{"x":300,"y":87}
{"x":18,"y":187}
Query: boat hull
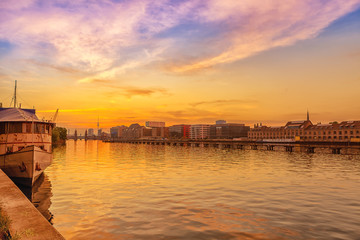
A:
{"x":25,"y":166}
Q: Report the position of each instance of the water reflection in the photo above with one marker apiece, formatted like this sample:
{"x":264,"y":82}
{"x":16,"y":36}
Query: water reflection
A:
{"x":40,"y":195}
{"x":125,"y":191}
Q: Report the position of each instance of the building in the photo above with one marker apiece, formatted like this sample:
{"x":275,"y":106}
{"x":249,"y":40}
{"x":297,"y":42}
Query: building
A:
{"x":134,"y":131}
{"x":99,"y":132}
{"x":160,"y":132}
{"x":154,"y":124}
{"x":179,"y":131}
{"x":117,"y":132}
{"x":228,"y":130}
{"x":154,"y":132}
{"x":220,"y":122}
{"x":200,"y":131}
{"x":292,"y":130}
{"x":346,"y":131}
{"x":90,"y":132}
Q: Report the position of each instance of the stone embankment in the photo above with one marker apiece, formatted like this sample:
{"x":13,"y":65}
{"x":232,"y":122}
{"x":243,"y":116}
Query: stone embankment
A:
{"x":26,"y":221}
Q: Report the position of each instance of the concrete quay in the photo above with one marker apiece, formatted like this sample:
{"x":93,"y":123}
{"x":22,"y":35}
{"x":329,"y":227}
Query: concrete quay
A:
{"x":347,"y":148}
{"x":26,"y":221}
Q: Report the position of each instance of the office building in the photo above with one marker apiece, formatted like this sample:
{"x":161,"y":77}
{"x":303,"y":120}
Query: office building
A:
{"x":181,"y":131}
{"x":200,"y":131}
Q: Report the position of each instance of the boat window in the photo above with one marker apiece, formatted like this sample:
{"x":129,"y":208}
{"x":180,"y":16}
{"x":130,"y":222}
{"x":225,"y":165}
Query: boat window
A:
{"x":27,"y":127}
{"x":15,"y":127}
{"x":2,"y":128}
{"x":39,"y":128}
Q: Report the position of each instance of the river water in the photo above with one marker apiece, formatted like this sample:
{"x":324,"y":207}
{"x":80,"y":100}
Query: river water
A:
{"x":96,"y":190}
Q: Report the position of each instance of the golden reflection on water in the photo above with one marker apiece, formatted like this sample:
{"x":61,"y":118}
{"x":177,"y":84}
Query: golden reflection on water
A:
{"x":123,"y":191}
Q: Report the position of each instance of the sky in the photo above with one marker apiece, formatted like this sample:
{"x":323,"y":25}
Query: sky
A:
{"x":195,"y":61}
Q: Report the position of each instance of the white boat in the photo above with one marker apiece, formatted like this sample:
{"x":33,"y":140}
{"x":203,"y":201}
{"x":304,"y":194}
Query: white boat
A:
{"x":25,"y":144}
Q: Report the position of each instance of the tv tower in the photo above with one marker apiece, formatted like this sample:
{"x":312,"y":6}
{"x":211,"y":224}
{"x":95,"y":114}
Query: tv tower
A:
{"x":98,"y":127}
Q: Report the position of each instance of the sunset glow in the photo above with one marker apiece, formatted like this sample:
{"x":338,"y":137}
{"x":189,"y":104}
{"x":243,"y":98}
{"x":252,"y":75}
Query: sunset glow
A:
{"x":182,"y":61}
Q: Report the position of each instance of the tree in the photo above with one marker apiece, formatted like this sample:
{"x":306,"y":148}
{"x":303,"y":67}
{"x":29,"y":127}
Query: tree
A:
{"x":59,"y":135}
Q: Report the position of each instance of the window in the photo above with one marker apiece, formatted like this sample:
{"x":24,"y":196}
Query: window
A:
{"x":334,"y":132}
{"x":345,"y":132}
{"x":2,"y":128}
{"x":28,"y":127}
{"x":15,"y":127}
{"x":351,"y":132}
{"x":340,"y":132}
{"x":39,"y":128}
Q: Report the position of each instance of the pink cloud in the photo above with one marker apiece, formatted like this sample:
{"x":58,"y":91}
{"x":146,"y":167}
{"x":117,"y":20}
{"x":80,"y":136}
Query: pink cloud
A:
{"x":105,"y":38}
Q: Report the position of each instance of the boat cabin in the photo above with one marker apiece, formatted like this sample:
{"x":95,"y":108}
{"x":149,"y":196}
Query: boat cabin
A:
{"x":20,"y":128}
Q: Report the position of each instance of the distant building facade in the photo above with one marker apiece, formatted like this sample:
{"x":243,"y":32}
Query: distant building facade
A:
{"x":117,"y":132}
{"x":154,"y":133}
{"x":306,"y":131}
{"x":335,"y":132}
{"x":90,"y":132}
{"x":200,"y":131}
{"x":228,"y":130}
{"x":179,"y":131}
{"x":134,"y":131}
{"x":220,"y":122}
{"x":154,"y":124}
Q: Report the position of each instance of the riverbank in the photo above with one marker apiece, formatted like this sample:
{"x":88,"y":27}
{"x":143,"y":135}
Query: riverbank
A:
{"x":24,"y":221}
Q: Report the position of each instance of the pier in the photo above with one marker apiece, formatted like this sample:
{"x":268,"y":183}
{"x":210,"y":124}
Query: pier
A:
{"x":347,"y":148}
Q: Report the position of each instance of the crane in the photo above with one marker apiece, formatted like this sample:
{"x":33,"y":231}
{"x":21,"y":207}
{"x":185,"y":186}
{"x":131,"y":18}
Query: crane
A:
{"x":55,"y":115}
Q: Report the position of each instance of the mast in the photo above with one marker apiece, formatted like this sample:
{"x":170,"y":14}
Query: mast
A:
{"x":14,"y":97}
{"x":15,"y":94}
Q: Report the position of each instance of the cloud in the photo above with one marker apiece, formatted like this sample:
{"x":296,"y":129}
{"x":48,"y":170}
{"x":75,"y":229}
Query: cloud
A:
{"x":52,"y":66}
{"x":252,"y":27}
{"x":129,"y":91}
{"x":107,"y":38}
{"x":133,"y":91}
{"x":82,"y":110}
{"x":242,"y":103}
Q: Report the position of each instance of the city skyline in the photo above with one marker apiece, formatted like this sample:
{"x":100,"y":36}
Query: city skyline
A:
{"x":182,"y":61}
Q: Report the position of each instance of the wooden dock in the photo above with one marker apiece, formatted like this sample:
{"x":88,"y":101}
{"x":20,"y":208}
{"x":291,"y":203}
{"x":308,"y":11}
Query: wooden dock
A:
{"x":349,"y":148}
